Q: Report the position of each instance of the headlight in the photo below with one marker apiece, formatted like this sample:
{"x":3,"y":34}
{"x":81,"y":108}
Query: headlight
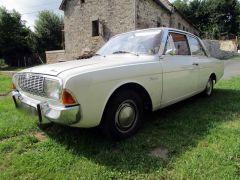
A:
{"x":52,"y":89}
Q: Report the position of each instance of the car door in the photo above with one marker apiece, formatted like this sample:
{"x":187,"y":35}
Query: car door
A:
{"x":202,"y":61}
{"x":179,"y":71}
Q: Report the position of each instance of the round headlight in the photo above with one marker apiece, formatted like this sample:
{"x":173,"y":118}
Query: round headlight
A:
{"x":52,"y":89}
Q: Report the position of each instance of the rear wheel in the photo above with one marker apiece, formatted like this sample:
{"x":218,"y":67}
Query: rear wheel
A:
{"x":123,"y":115}
{"x":209,"y":87}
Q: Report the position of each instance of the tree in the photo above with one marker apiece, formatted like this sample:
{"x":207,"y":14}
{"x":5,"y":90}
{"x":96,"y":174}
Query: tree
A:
{"x":48,"y":30}
{"x":182,"y":5}
{"x":14,"y":37}
{"x":214,"y":18}
{"x":18,"y":43}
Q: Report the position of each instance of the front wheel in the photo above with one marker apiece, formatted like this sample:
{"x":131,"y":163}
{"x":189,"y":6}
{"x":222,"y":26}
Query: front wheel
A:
{"x":209,"y":87}
{"x":123,"y":115}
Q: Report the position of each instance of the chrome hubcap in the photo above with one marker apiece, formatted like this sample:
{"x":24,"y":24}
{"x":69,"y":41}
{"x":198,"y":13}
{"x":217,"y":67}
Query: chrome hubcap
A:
{"x":126,"y":115}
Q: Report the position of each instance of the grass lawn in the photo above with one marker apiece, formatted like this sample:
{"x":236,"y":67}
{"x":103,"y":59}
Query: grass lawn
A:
{"x":199,"y":137}
{"x":5,"y":83}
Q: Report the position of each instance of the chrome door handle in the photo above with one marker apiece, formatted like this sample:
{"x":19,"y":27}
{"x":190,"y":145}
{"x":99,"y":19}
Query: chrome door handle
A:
{"x":195,"y":64}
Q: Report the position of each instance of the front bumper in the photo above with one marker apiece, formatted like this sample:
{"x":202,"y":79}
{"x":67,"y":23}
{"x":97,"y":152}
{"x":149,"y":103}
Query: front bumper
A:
{"x":46,"y":111}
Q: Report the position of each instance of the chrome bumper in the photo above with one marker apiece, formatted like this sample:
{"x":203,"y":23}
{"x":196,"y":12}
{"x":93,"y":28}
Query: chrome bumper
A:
{"x":46,"y":112}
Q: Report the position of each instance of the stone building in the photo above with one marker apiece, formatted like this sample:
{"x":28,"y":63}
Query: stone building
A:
{"x":88,"y":24}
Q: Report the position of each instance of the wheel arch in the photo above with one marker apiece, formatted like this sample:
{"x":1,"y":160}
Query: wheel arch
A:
{"x":132,"y":86}
{"x":214,"y":77}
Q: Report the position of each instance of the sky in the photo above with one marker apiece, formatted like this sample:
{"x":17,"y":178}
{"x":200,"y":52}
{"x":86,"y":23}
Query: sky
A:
{"x":30,"y":8}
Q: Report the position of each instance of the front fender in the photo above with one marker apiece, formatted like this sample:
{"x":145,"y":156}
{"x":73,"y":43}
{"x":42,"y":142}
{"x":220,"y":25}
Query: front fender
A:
{"x":94,"y":89}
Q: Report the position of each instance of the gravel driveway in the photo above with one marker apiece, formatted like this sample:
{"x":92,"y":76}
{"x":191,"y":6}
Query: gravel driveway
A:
{"x":232,"y":68}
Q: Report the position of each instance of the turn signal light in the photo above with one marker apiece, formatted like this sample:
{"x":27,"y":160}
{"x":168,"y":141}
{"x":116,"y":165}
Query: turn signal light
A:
{"x":67,"y":98}
{"x":14,"y":86}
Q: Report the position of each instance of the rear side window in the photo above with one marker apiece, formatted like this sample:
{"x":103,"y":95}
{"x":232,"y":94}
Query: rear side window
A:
{"x":177,"y":44}
{"x":196,"y":47}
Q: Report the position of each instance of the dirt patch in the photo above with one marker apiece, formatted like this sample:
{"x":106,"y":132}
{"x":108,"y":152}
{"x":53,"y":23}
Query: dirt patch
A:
{"x":160,"y":152}
{"x":40,"y":136}
{"x":8,"y":72}
{"x":6,"y":94}
{"x":54,"y":130}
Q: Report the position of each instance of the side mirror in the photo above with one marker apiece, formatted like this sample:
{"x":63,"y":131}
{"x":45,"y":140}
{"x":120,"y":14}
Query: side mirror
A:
{"x":171,"y":52}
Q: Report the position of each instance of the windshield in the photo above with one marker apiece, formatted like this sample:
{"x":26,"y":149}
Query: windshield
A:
{"x":142,"y":42}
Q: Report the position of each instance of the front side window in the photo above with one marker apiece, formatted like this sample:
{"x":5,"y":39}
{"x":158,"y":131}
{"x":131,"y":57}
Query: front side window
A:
{"x":142,"y":42}
{"x":196,"y":47}
{"x":179,"y":25}
{"x":177,"y":45}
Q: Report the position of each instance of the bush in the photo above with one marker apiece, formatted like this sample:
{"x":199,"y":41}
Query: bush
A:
{"x":2,"y":63}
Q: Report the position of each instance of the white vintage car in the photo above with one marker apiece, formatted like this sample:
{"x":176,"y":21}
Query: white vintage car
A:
{"x":132,"y":73}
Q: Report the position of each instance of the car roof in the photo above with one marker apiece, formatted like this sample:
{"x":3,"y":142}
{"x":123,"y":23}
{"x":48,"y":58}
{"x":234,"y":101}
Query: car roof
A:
{"x":159,"y":28}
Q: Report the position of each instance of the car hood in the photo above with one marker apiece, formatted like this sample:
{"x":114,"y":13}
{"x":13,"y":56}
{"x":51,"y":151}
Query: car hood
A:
{"x":87,"y":64}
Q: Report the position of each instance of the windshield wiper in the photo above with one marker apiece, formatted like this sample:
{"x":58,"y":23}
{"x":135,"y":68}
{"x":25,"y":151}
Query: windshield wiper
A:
{"x":125,"y":52}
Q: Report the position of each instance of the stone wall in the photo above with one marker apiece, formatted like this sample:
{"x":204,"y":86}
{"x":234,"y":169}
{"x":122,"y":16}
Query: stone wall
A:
{"x":115,"y":17}
{"x":150,"y":14}
{"x":178,"y":22}
{"x":167,"y":4}
{"x":228,"y":45}
{"x":55,"y":56}
{"x":220,"y":49}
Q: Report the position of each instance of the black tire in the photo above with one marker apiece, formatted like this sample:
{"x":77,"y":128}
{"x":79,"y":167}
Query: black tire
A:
{"x":123,"y":115}
{"x":209,"y":88}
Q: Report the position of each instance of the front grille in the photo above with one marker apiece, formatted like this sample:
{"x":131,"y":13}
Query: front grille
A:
{"x":31,"y":83}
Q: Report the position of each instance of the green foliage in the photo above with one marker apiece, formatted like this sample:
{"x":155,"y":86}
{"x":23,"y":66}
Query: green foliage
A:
{"x":14,"y":37}
{"x":48,"y":31}
{"x":214,"y":18}
{"x":182,"y":5}
{"x":6,"y":83}
{"x":2,"y":63}
{"x":18,"y":43}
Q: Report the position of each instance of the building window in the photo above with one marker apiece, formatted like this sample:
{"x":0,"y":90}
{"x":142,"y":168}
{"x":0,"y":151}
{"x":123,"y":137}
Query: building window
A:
{"x":184,"y":28}
{"x":187,"y":29}
{"x":179,"y":25}
{"x":159,"y":22}
{"x":82,"y":1}
{"x":95,"y":28}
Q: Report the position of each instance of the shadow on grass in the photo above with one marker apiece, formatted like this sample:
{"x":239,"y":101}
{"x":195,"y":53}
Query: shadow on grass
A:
{"x":177,"y":128}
